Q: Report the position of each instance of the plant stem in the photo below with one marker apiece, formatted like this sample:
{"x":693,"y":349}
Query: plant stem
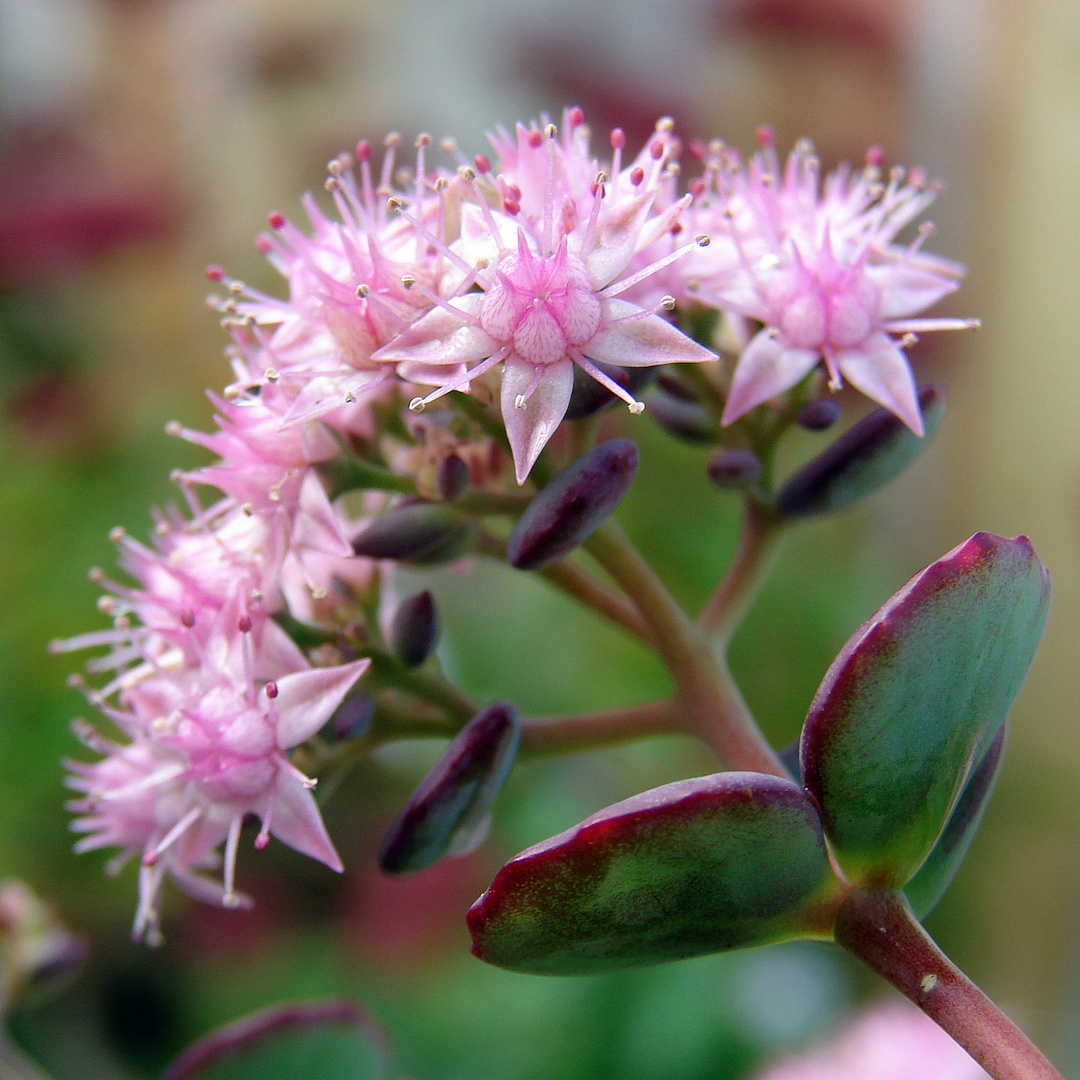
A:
{"x":715,"y":710}
{"x":877,"y":926}
{"x":758,"y":542}
{"x":565,"y":734}
{"x":432,"y":688}
{"x":578,"y":583}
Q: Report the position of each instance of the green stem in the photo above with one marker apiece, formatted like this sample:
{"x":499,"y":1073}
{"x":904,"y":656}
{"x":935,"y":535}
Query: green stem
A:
{"x":493,"y":502}
{"x":726,"y":608}
{"x":578,"y":583}
{"x":715,"y":710}
{"x":386,"y":670}
{"x":566,"y":734}
{"x":877,"y":926}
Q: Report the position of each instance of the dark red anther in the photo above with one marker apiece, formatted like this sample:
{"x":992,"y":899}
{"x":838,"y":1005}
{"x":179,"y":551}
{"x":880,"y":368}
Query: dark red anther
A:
{"x":766,"y":137}
{"x":271,"y":690}
{"x":875,"y":156}
{"x":482,"y":163}
{"x":187,"y":618}
{"x":697,"y":188}
{"x":676,"y":228}
{"x":276,"y":219}
{"x":512,"y":207}
{"x":575,"y":117}
{"x":656,"y":149}
{"x":363,"y":150}
{"x":215,"y":272}
{"x":263,"y":244}
{"x":535,"y":139}
{"x":243,"y":624}
{"x":637,"y":174}
{"x":698,"y":149}
{"x":618,"y":138}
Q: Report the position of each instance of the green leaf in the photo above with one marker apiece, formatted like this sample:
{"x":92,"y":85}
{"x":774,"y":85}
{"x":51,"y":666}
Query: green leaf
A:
{"x":935,"y":875}
{"x":866,"y":457}
{"x":914,"y":701}
{"x":692,"y":867}
{"x":301,"y":1041}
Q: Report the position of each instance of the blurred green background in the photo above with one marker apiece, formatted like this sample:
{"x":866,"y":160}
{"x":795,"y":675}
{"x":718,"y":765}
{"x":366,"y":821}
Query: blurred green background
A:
{"x":140,"y":139}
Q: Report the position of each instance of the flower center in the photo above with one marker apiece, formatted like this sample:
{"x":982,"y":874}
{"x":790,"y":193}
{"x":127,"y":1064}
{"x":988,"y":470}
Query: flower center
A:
{"x":543,"y":304}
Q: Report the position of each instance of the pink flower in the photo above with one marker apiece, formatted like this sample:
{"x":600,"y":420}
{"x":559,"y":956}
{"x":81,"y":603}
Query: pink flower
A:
{"x":890,"y":1041}
{"x":346,"y":291}
{"x":550,"y":263}
{"x":207,"y":748}
{"x":821,"y":271}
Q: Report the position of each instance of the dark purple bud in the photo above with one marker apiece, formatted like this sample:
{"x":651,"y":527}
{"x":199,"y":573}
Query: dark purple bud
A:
{"x":452,"y":477}
{"x":452,"y":546}
{"x":866,"y":457}
{"x":819,"y":415}
{"x":415,"y":629}
{"x":687,"y":420}
{"x":590,"y":397}
{"x":449,"y":813}
{"x":677,"y":386}
{"x":352,"y":719}
{"x":734,"y":468}
{"x":410,"y":531}
{"x":570,"y":509}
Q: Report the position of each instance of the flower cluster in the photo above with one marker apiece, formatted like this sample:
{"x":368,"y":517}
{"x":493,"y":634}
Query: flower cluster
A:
{"x":509,"y":279}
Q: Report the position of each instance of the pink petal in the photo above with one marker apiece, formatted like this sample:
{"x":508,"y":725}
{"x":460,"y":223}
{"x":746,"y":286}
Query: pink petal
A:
{"x":276,"y":653}
{"x":295,"y":821}
{"x":539,"y":338}
{"x":529,"y":428}
{"x":431,"y":374}
{"x":477,"y":240}
{"x":641,"y":342}
{"x":880,"y":370}
{"x":440,"y":337}
{"x":765,"y":369}
{"x":619,"y":236}
{"x":307,"y":699}
{"x":907,"y":290}
{"x":317,"y":526}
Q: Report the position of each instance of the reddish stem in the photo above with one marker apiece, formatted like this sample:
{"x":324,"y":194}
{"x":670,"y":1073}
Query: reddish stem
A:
{"x":878,"y":926}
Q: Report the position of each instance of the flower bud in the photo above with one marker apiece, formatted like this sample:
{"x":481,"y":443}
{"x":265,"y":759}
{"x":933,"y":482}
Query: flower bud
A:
{"x":410,"y":531}
{"x":570,"y":509}
{"x":449,"y":813}
{"x":820,"y":414}
{"x":734,"y":468}
{"x":452,"y":477}
{"x":352,"y":719}
{"x":684,"y":419}
{"x":415,"y":629}
{"x":866,"y":457}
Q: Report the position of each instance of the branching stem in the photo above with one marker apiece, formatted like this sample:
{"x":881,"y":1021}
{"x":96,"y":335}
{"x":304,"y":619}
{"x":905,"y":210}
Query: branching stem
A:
{"x":877,"y":926}
{"x":714,"y":708}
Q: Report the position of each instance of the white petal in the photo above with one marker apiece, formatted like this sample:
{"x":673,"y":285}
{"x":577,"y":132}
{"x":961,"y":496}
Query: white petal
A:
{"x":642,"y":342}
{"x":765,"y":369}
{"x":880,"y":370}
{"x":529,"y":428}
{"x":307,"y":699}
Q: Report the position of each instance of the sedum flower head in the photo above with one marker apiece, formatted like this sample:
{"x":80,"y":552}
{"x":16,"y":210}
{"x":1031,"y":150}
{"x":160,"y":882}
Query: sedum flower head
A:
{"x":538,"y":280}
{"x":818,"y":265}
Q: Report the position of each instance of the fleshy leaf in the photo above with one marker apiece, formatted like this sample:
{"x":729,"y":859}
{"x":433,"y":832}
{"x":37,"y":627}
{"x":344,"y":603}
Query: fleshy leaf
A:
{"x":450,"y":811}
{"x":301,"y":1041}
{"x":697,"y":866}
{"x":914,"y":701}
{"x":935,"y":875}
{"x":866,"y":457}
